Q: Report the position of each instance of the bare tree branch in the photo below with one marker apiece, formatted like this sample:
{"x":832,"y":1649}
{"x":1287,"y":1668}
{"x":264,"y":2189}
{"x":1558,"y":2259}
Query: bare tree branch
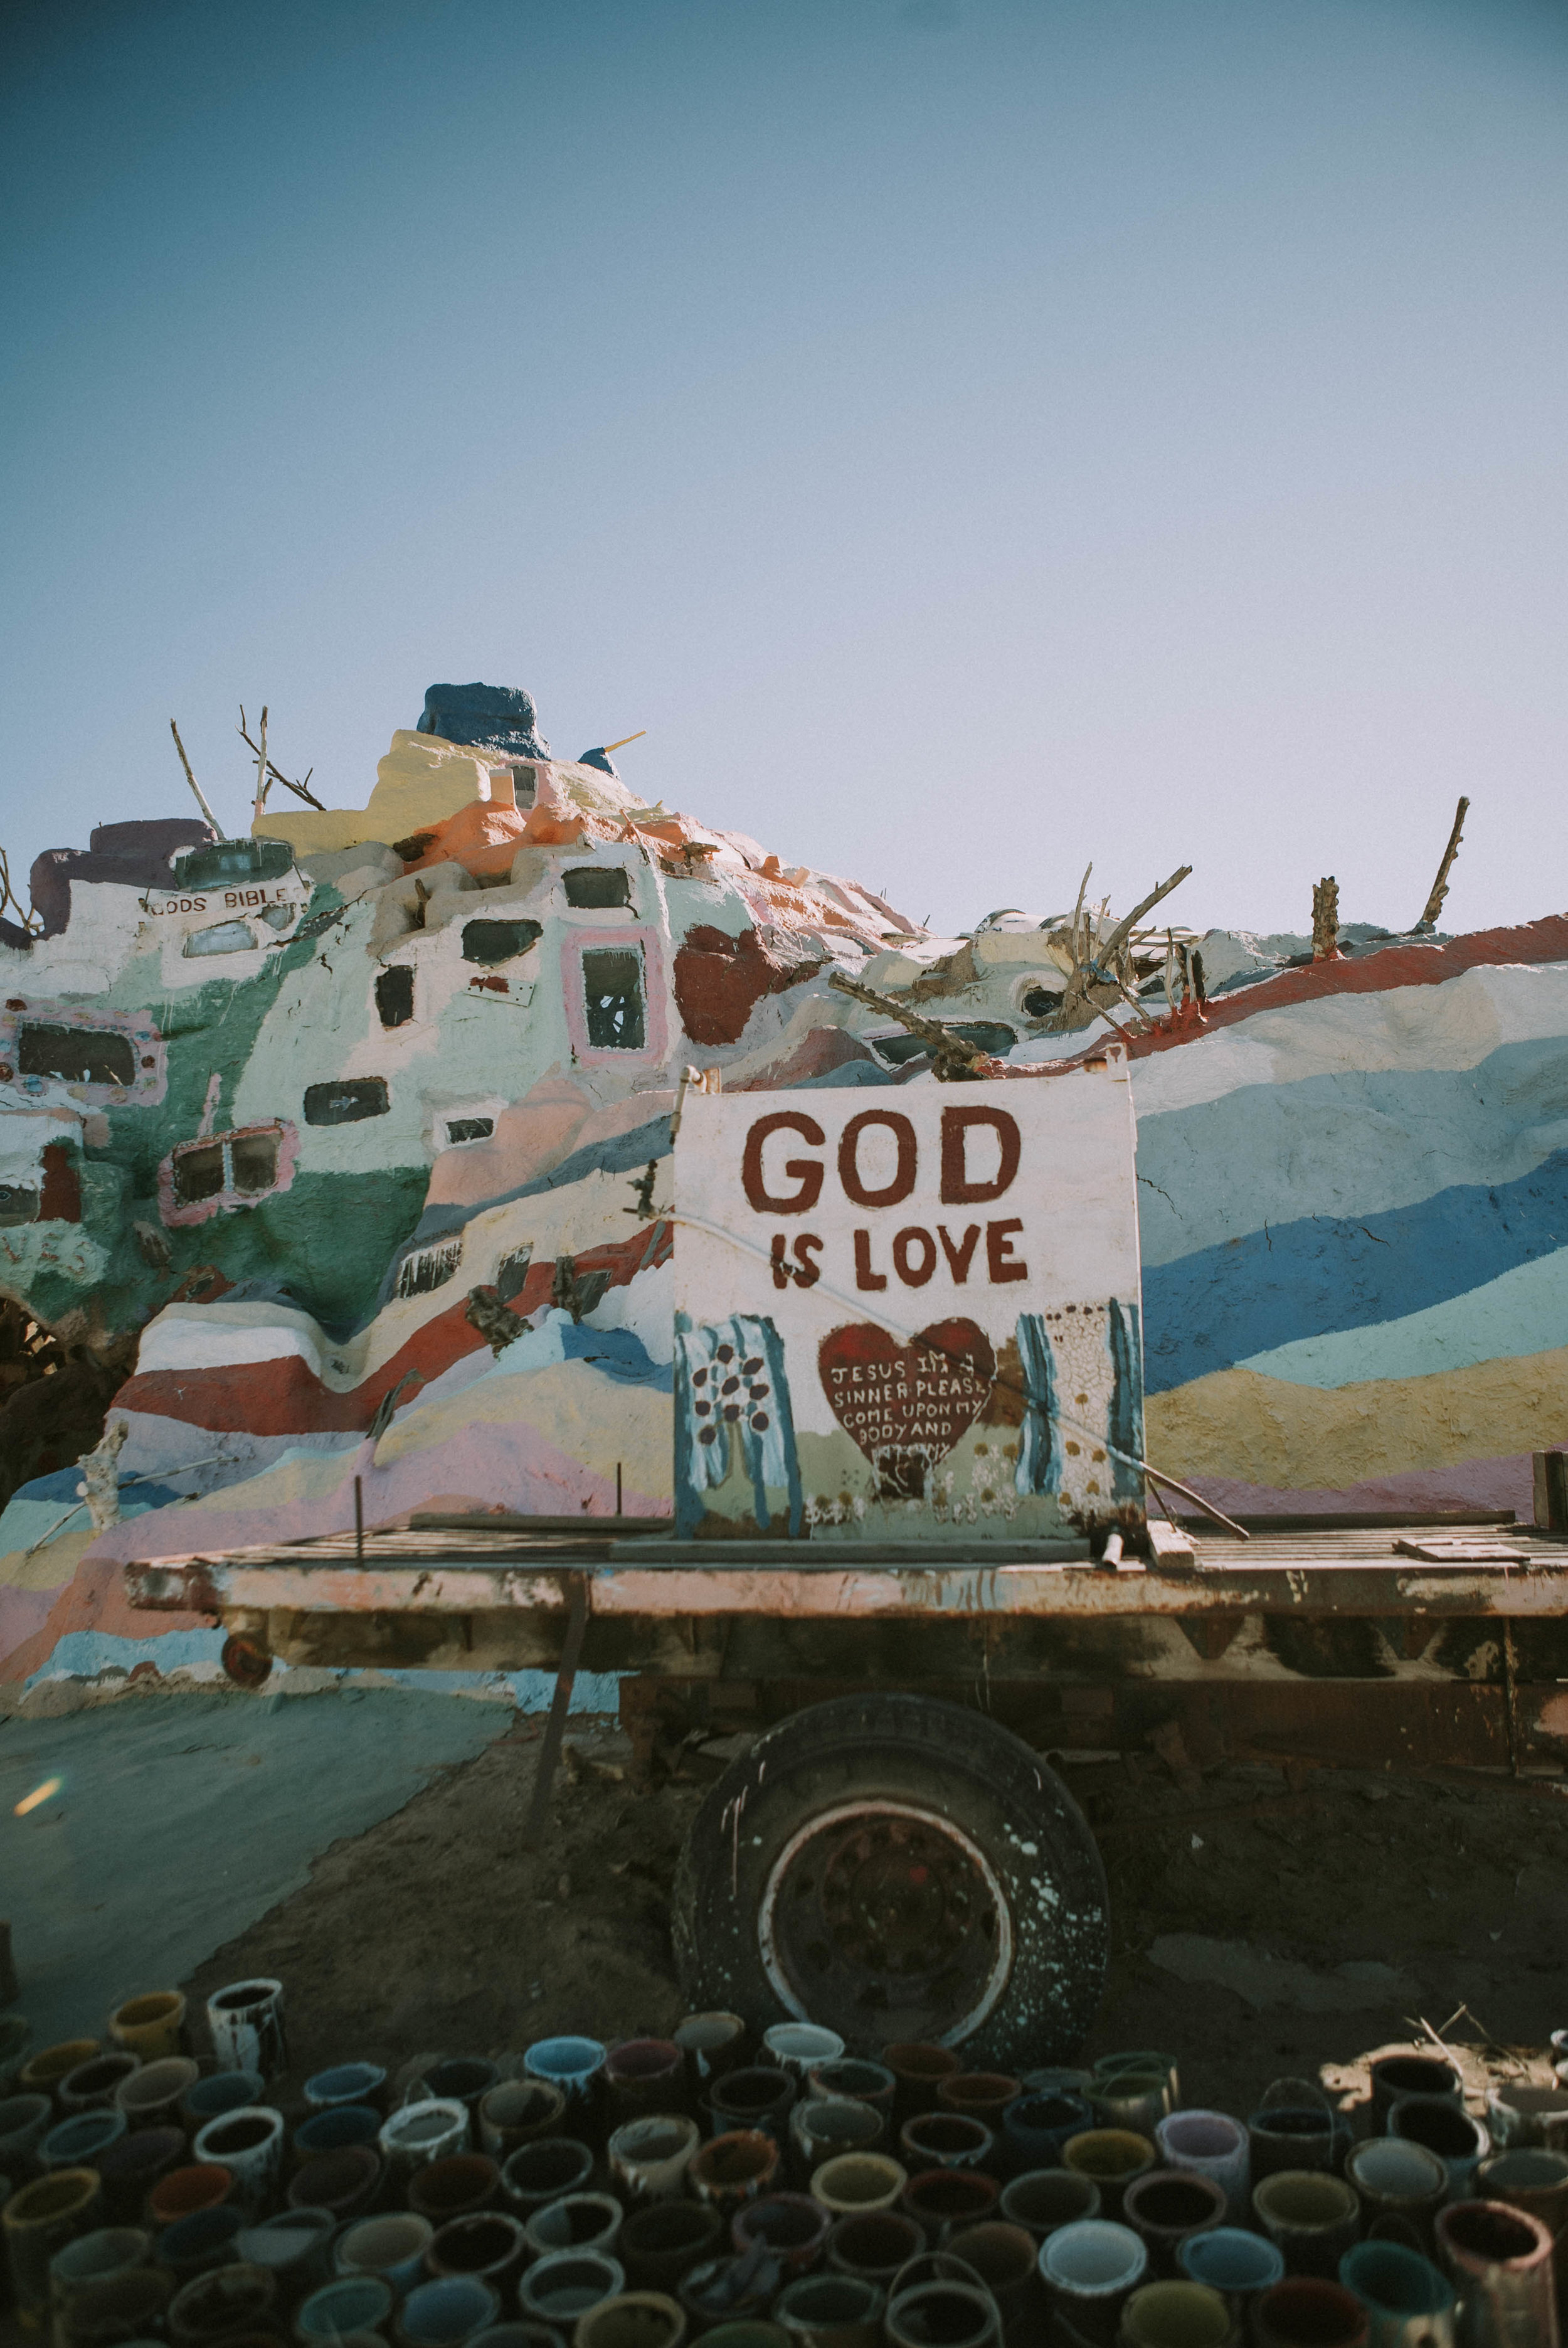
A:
{"x":299,"y":789}
{"x":1439,"y":889}
{"x":190,"y":778}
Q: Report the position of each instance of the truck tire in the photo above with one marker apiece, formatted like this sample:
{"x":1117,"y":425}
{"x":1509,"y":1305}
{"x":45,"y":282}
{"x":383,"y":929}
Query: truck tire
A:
{"x":896,"y":1868}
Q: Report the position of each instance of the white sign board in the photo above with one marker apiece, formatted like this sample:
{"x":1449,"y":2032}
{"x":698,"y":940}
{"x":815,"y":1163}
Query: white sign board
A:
{"x":910,"y":1311}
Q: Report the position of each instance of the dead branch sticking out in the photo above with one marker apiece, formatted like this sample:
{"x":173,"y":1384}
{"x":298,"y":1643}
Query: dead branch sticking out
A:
{"x":952,"y":1055}
{"x":1439,"y":888}
{"x":275,"y":774}
{"x":190,"y":778}
{"x":11,"y":902}
{"x":1099,"y":966}
{"x":1326,"y":920}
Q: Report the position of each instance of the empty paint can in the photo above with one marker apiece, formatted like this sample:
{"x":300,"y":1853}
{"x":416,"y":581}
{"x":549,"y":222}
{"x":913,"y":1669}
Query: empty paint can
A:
{"x":248,"y":2143}
{"x":391,"y":2248}
{"x":246,"y":2022}
{"x":346,"y":2083}
{"x":1312,"y":2218}
{"x":1410,"y":2304}
{"x":566,"y":2284}
{"x":150,"y":2026}
{"x":831,"y":2311}
{"x":649,"y":2157}
{"x":152,"y":2095}
{"x":1211,"y":2145}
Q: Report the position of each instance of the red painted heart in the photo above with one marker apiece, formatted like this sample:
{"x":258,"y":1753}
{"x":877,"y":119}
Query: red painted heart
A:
{"x":920,"y":1395}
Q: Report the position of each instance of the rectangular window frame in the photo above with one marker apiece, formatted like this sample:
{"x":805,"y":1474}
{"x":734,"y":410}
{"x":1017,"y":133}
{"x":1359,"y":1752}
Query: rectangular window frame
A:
{"x":149,"y":1080}
{"x":179,"y":1213}
{"x":574,"y":993}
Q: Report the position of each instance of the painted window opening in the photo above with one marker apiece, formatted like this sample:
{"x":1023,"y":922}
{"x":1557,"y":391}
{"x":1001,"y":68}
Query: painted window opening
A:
{"x":512,"y":1271}
{"x":616,"y":999}
{"x":277,"y":917}
{"x":982,"y":1035}
{"x":429,"y":1267}
{"x":210,"y":866}
{"x":76,"y":1056}
{"x":346,"y":1101}
{"x":1040,"y":1002}
{"x":226,"y":1169}
{"x":19,"y":1204}
{"x":394,"y":994}
{"x":469,"y":1128}
{"x":492,"y":942}
{"x":223,"y":937}
{"x":595,"y":887}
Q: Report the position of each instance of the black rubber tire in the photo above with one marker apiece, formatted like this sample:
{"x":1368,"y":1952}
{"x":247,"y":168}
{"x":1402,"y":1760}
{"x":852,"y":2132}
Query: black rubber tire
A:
{"x":938,"y":1762}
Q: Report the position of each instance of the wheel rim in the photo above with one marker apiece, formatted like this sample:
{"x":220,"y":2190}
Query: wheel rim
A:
{"x":884,"y":1919}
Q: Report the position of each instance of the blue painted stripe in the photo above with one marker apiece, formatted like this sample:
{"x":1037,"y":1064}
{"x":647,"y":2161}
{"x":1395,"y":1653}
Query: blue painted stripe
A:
{"x":1223,"y":1304}
{"x":1525,"y":1312}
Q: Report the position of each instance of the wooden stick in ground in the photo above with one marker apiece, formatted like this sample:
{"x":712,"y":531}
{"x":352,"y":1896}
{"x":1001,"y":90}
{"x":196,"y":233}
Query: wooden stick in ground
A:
{"x":1326,"y":920}
{"x":1439,"y":888}
{"x":190,"y":778}
{"x":1124,"y":929}
{"x":261,"y":767}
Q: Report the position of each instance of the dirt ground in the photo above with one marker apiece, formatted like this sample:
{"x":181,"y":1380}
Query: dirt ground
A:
{"x":1439,"y":1889}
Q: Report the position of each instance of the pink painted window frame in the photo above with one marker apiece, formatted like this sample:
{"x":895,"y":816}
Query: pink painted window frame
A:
{"x":574,"y":993}
{"x":222,"y":1202}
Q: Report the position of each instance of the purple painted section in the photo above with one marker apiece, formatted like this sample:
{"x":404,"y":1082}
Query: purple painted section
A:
{"x":1484,"y":1484}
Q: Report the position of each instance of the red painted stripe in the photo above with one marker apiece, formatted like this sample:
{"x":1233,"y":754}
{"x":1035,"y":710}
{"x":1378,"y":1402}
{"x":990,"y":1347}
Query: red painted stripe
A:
{"x":284,"y":1395}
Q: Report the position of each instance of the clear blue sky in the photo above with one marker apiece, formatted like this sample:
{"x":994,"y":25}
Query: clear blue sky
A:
{"x":971,"y":436}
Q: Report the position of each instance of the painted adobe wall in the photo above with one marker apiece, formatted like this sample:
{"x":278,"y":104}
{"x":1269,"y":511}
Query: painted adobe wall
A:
{"x":1351,"y":1177}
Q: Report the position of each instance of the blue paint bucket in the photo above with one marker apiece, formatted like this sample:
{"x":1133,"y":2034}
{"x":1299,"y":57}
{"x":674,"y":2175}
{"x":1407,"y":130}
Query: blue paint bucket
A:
{"x":205,"y":2239}
{"x":223,"y":2091}
{"x":1396,"y":2286}
{"x":356,"y":2303}
{"x":346,"y":2083}
{"x":1036,"y":2127}
{"x":77,"y":2143}
{"x":445,"y":2313}
{"x":332,"y":2131}
{"x":572,"y":2064}
{"x":1231,"y":2261}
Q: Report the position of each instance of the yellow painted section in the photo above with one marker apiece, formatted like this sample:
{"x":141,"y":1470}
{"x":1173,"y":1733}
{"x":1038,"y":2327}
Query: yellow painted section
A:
{"x":592,"y":1418}
{"x":419,"y":783}
{"x":1262,"y":1430}
{"x":51,"y":1567}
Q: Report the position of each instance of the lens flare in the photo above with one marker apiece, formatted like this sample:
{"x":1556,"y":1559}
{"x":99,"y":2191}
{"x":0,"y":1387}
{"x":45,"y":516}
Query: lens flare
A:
{"x":50,"y":1786}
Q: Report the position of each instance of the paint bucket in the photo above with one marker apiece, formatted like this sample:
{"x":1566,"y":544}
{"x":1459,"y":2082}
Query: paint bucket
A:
{"x":131,"y":2306}
{"x":77,"y":2143}
{"x":820,"y":2126}
{"x":1165,"y":2205}
{"x":391,"y":2248}
{"x":1310,"y":2217}
{"x":458,"y":2187}
{"x":517,"y":2112}
{"x":248,"y":2143}
{"x":574,"y":2065}
{"x":186,"y":2191}
{"x":632,"y":2318}
{"x":444,"y":2314}
{"x":567,"y":2283}
{"x":296,"y":2245}
{"x":1044,"y":2201}
{"x":226,"y":2299}
{"x":873,"y":2243}
{"x":42,"y":2073}
{"x":346,"y":2083}
{"x":1397,"y":2178}
{"x":464,"y":2079}
{"x":102,"y":2256}
{"x":1394,"y":2076}
{"x":730,"y":2169}
{"x":919,"y":2070}
{"x":91,"y":2085}
{"x":150,"y":2027}
{"x":859,"y":2180}
{"x":219,"y":2091}
{"x":649,"y":2157}
{"x":1528,"y":2116}
{"x":961,"y":2314}
{"x":641,"y":2076}
{"x":940,"y":2199}
{"x":578,"y":2222}
{"x":417,"y":2134}
{"x":540,"y":2172}
{"x":1294,"y":2127}
{"x":488,"y":2246}
{"x":1146,"y":2062}
{"x":1135,"y":2091}
{"x":663,"y":2242}
{"x":1231,"y":2261}
{"x":1211,"y":2145}
{"x":1534,"y":2180}
{"x":982,"y":2095}
{"x":1409,"y":2303}
{"x":1114,"y":2158}
{"x":345,"y":2182}
{"x":1306,"y":2312}
{"x":335,"y":2130}
{"x":830,"y":2311}
{"x":1500,"y":2260}
{"x":1175,"y":2315}
{"x":932,"y":2266}
{"x":152,"y":2095}
{"x":352,"y":2304}
{"x":798,"y":2046}
{"x":1036,"y":2127}
{"x":761,"y":2096}
{"x":1090,"y":2270}
{"x":1006,"y":2259}
{"x":246,"y":2022}
{"x":1447,"y":2131}
{"x":946,"y":2140}
{"x":712,"y":2043}
{"x":131,"y":2167}
{"x":25,"y":2121}
{"x":795,"y":2228}
{"x":206,"y":2238}
{"x":864,"y":2083}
